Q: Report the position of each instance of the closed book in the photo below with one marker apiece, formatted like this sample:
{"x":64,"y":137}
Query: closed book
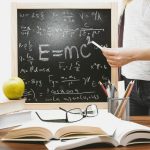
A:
{"x":15,"y":119}
{"x":8,"y":106}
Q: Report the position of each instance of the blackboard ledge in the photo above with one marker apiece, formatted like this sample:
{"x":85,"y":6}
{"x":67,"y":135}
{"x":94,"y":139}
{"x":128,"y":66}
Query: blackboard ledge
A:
{"x":101,"y":105}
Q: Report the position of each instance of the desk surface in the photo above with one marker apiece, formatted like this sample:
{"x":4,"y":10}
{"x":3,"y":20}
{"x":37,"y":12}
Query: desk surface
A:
{"x":145,"y":120}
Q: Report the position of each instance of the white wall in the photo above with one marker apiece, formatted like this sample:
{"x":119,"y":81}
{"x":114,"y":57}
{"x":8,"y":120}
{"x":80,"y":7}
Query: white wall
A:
{"x":5,"y":35}
{"x":5,"y":43}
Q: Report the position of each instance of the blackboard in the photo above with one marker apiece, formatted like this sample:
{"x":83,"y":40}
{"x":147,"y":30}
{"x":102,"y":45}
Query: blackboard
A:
{"x":55,"y":57}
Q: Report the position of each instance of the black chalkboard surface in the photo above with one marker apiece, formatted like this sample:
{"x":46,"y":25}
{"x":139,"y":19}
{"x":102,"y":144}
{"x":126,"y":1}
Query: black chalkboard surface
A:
{"x":55,"y":57}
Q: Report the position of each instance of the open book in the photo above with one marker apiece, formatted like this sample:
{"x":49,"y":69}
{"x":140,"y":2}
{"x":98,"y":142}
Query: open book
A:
{"x":127,"y":133}
{"x":45,"y":131}
{"x":104,"y":128}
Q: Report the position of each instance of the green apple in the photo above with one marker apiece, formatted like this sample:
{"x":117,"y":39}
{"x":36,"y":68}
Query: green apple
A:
{"x":14,"y":88}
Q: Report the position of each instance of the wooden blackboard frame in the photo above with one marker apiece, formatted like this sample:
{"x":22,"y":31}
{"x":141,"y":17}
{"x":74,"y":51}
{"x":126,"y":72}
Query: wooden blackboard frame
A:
{"x":113,"y":6}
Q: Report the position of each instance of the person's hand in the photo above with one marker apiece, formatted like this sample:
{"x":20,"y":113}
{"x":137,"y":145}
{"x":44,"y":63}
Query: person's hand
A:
{"x":118,"y":57}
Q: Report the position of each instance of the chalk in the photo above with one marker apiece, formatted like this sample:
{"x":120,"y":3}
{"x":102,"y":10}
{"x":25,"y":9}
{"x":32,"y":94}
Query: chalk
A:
{"x":100,"y":47}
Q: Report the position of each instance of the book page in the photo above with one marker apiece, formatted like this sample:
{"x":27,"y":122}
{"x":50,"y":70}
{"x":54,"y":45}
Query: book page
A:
{"x":136,"y":138}
{"x":125,"y":128}
{"x":29,"y":131}
{"x":74,"y":143}
{"x":51,"y":114}
{"x":103,"y":121}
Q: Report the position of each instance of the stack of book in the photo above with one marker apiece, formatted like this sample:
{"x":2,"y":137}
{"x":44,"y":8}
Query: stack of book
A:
{"x":9,"y":106}
{"x":12,"y":113}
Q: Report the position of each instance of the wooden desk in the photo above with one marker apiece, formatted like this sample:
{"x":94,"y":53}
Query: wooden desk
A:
{"x":145,"y":120}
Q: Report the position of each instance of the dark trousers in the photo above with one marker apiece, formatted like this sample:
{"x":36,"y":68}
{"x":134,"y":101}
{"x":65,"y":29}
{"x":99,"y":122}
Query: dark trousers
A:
{"x":139,"y":98}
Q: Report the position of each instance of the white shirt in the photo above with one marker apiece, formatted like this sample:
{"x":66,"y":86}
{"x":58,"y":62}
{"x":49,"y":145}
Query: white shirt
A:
{"x":137,"y":35}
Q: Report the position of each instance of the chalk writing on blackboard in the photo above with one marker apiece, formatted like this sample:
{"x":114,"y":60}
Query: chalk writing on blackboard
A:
{"x":55,"y":57}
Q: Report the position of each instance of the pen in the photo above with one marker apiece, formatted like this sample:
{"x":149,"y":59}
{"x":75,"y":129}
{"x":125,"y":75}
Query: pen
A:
{"x":100,"y":47}
{"x":112,"y":90}
{"x":109,"y":89}
{"x":102,"y":86}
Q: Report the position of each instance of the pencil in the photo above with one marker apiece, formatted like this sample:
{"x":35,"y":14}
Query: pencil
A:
{"x":125,"y":100}
{"x":128,"y":88}
{"x":102,"y":86}
{"x":125,"y":95}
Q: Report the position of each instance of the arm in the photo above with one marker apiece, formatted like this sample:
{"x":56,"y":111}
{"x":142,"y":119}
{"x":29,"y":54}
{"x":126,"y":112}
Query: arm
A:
{"x":121,"y":56}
